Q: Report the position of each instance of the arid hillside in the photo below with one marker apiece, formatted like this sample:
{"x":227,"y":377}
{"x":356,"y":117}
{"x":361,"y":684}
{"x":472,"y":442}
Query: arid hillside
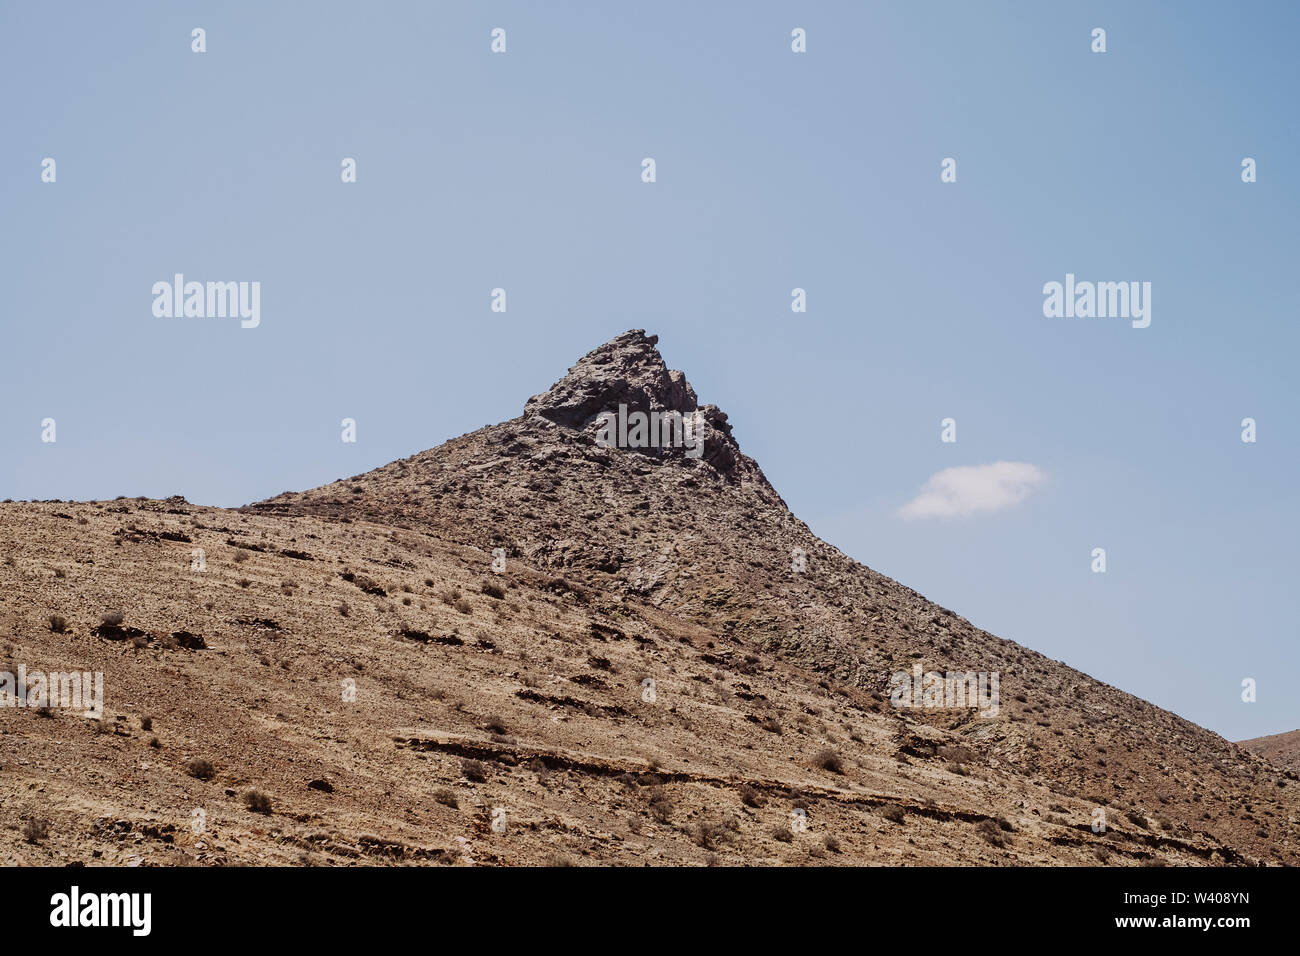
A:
{"x":1281,"y":750}
{"x":523,"y":647}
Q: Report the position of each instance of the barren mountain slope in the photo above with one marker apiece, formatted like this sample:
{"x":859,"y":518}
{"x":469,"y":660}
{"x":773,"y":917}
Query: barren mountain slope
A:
{"x":769,"y":708}
{"x":1281,"y":750}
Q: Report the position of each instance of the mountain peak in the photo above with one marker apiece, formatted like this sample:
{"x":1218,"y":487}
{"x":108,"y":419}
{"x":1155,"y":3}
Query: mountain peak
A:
{"x":627,"y":370}
{"x":627,"y":375}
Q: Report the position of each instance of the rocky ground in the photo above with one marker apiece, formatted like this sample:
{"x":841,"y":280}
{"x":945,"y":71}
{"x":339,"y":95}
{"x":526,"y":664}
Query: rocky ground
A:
{"x":1281,"y":750}
{"x":353,"y":677}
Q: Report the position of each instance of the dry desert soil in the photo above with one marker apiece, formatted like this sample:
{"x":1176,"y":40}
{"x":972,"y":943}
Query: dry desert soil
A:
{"x":1281,"y":750}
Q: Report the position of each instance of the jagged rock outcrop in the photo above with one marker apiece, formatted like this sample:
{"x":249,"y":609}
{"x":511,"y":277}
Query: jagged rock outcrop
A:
{"x":627,"y":372}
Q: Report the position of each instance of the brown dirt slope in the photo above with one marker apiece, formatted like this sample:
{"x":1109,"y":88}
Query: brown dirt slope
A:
{"x":1281,"y":750}
{"x":647,"y":681}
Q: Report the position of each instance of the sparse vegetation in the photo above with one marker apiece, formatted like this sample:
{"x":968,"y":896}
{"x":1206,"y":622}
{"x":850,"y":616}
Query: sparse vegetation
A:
{"x":36,"y":829}
{"x":710,"y":833}
{"x":257,"y":801}
{"x":474,"y":771}
{"x":829,"y":761}
{"x":200,"y":768}
{"x":894,"y":813}
{"x":660,"y":804}
{"x":57,"y":623}
{"x":992,"y":831}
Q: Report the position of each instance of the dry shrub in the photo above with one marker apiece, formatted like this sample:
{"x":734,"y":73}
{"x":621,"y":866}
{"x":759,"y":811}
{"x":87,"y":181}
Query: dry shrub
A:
{"x":992,"y":832}
{"x":710,"y":833}
{"x":894,"y":813}
{"x":200,"y":768}
{"x":660,"y":804}
{"x":257,"y":801}
{"x":36,"y":829}
{"x":829,"y":761}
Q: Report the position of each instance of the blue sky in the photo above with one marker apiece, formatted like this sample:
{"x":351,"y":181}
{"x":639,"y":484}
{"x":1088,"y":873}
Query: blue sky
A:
{"x":775,"y":170}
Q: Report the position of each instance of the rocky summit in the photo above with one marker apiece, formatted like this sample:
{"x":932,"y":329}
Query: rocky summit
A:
{"x":629,"y":373}
{"x":536,"y":645}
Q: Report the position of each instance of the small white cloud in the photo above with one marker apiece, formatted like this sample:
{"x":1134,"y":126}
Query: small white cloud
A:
{"x":974,"y":489}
